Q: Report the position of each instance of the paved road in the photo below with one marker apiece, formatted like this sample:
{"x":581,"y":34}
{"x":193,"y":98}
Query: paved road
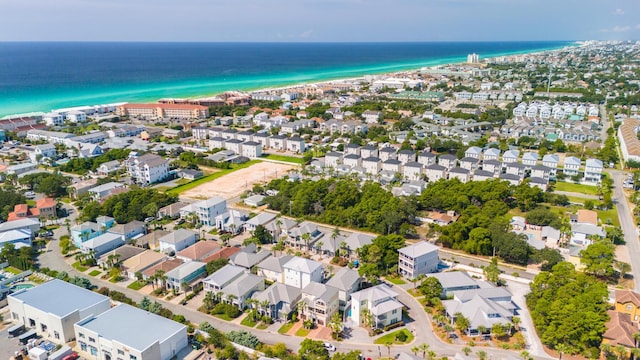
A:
{"x":627,"y":223}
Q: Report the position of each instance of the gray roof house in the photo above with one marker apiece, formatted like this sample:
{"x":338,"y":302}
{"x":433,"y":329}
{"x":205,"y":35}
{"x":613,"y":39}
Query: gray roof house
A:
{"x":219,"y":279}
{"x":242,"y":288}
{"x":455,"y":281}
{"x":347,"y":281}
{"x":281,"y":299}
{"x":272,"y":268}
{"x":249,"y":256}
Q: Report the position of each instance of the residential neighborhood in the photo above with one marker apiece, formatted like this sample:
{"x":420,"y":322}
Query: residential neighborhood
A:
{"x":443,"y":211}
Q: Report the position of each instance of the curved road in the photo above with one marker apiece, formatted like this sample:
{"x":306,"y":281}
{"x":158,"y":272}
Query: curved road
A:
{"x":53,"y":259}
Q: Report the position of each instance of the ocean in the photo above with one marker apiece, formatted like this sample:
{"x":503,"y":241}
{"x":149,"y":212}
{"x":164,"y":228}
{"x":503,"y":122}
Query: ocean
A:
{"x":41,"y":76}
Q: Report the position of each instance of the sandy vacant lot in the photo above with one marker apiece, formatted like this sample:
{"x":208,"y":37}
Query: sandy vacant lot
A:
{"x":235,"y":183}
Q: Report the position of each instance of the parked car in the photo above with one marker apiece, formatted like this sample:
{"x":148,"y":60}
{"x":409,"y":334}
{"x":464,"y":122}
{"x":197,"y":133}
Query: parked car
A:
{"x":30,"y":195}
{"x":329,"y":346}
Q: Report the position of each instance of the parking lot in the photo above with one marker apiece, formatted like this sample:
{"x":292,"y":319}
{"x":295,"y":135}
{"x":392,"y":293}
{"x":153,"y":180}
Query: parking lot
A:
{"x":8,"y":346}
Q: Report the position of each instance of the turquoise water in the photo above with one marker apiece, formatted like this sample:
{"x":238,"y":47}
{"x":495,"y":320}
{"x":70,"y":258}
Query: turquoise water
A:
{"x":21,"y":287}
{"x":44,"y":76}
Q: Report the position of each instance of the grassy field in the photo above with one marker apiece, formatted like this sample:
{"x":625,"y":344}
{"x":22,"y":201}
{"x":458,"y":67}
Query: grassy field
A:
{"x":612,"y":215}
{"x":302,"y":332}
{"x":184,"y":187}
{"x":576,"y":188}
{"x":136,"y":285}
{"x":391,"y":338}
{"x":289,"y":159}
{"x":223,"y":317}
{"x":285,"y":328}
{"x":95,"y":273}
{"x":262,"y":326}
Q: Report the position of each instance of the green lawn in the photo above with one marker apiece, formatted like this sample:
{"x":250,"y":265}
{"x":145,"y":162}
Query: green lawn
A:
{"x":262,"y":326}
{"x":302,"y":332}
{"x":31,"y":203}
{"x":289,"y":159}
{"x":12,"y":270}
{"x":575,"y":199}
{"x":396,"y":280}
{"x":285,"y":328}
{"x":223,"y":317}
{"x":182,"y":181}
{"x":136,"y":285}
{"x":391,"y":337}
{"x":248,"y":322}
{"x":95,"y":273}
{"x":234,"y":167}
{"x":76,"y":265}
{"x":576,"y":188}
{"x":612,"y":214}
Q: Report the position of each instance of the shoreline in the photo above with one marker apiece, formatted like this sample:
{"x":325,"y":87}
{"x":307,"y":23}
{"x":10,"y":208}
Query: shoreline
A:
{"x":190,"y":90}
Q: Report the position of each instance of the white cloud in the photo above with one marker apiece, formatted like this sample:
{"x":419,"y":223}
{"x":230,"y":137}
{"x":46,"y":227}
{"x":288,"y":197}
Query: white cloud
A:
{"x":621,"y":28}
{"x":618,"y":11}
{"x":306,"y":34}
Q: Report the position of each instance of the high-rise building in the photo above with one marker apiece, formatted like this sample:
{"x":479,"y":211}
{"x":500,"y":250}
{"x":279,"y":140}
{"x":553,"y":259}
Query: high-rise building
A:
{"x":473,"y":58}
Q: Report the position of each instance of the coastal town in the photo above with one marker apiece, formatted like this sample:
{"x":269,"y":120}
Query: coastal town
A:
{"x":477,"y":210}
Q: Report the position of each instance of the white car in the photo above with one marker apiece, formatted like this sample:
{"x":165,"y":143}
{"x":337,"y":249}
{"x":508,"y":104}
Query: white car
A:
{"x":329,"y":346}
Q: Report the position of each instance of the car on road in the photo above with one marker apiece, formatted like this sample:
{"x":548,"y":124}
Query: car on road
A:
{"x":30,"y":195}
{"x":329,"y":346}
{"x":149,"y":219}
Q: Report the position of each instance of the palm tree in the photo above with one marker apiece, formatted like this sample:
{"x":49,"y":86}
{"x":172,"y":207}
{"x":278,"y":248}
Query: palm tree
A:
{"x":231,"y":298}
{"x":278,"y":228}
{"x":334,"y":235}
{"x":160,"y":275}
{"x":606,"y":349}
{"x":516,"y":322}
{"x":302,"y":307}
{"x":265,"y":306}
{"x":482,"y":329}
{"x":424,"y":348}
{"x":139,"y":277}
{"x":344,"y":249}
{"x":306,"y":237}
{"x":319,"y":247}
{"x":184,"y":285}
{"x":439,"y":319}
{"x":415,"y":350}
{"x":209,"y":300}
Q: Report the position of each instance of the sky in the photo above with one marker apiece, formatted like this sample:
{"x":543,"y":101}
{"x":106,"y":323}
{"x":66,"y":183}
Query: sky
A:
{"x":318,"y":20}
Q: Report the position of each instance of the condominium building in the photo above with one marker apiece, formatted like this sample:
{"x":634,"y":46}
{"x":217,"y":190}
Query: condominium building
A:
{"x":154,"y":111}
{"x":147,"y":169}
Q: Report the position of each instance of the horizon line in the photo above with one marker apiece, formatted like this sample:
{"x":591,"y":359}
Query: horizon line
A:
{"x":291,"y":42}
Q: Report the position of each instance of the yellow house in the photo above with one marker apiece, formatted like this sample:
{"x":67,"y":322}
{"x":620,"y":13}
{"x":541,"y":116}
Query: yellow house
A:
{"x":628,"y":302}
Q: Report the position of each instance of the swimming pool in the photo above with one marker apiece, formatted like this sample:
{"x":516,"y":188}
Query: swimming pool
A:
{"x":21,"y":287}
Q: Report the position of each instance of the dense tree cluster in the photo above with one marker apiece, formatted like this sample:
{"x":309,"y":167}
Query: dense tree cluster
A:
{"x":380,"y":257}
{"x":569,"y":308}
{"x":51,"y":184}
{"x":81,"y":166}
{"x":343,"y":202}
{"x":8,"y":199}
{"x":23,"y":258}
{"x":135,"y":204}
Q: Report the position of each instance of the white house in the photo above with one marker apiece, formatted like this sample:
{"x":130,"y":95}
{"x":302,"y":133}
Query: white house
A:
{"x":299,"y":272}
{"x":436,"y":172}
{"x":347,"y":281}
{"x":41,"y":152}
{"x":571,"y":166}
{"x":53,"y":119}
{"x":473,"y":152}
{"x":177,"y":240}
{"x":251,"y":149}
{"x":380,"y":301}
{"x":206,"y":210}
{"x":418,"y":258}
{"x":147,"y":169}
{"x":371,"y":117}
{"x":127,"y":332}
{"x":593,"y":170}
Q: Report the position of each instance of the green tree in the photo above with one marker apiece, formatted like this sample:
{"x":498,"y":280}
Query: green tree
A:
{"x":492,"y":271}
{"x":313,"y":350}
{"x":462,"y":323}
{"x":431,"y":288}
{"x":598,"y":258}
